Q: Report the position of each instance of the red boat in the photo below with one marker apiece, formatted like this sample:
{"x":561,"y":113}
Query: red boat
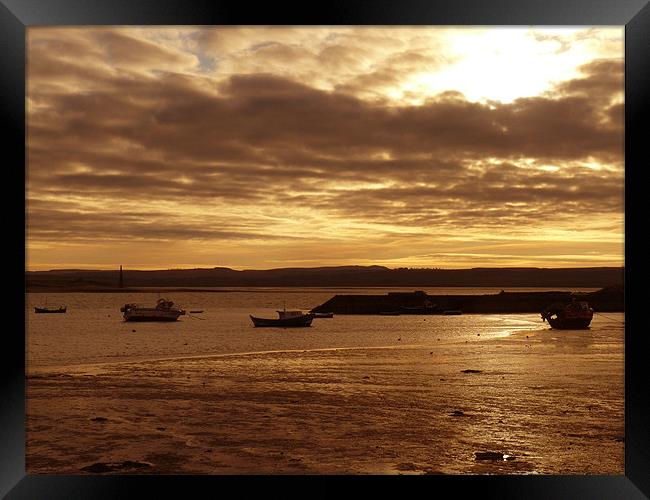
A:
{"x":576,"y":315}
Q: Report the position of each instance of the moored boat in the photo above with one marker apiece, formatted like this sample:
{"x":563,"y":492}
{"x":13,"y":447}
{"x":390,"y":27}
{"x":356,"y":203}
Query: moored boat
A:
{"x":285,"y":319}
{"x":323,"y":315}
{"x":50,"y":310}
{"x":576,"y":315}
{"x":163,"y":311}
{"x":425,"y":309}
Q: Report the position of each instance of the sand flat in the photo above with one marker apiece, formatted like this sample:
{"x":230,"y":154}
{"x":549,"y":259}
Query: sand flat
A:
{"x":552,"y":400}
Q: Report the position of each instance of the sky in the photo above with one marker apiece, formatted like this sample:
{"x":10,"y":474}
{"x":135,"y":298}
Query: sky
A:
{"x":268,"y":147}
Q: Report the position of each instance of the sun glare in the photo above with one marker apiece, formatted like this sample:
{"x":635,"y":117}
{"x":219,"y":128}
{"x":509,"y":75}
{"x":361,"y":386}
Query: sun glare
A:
{"x":502,"y":64}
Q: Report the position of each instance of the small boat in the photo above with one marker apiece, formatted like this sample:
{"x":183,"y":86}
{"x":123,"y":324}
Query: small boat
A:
{"x":425,"y":309}
{"x":323,"y":315}
{"x":285,"y":319}
{"x":163,"y":311}
{"x":576,"y":315}
{"x":452,"y":312}
{"x":50,"y":310}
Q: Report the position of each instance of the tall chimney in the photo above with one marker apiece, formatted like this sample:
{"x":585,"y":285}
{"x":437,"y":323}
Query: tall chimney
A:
{"x":121,"y":278}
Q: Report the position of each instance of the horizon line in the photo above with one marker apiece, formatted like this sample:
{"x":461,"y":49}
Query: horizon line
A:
{"x":118,"y":267}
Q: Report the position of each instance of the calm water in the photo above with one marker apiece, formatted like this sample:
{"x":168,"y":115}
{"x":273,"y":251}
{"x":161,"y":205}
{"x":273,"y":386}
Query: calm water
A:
{"x":93,"y":331}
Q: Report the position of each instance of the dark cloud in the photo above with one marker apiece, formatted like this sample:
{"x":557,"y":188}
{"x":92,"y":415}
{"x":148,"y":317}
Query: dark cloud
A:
{"x":261,"y":112}
{"x":70,"y":225}
{"x":604,"y":79}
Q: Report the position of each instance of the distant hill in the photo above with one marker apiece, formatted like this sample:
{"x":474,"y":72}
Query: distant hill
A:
{"x":342,"y":276}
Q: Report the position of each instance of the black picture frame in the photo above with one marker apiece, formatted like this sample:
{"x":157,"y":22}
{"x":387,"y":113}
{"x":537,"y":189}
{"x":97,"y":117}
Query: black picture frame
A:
{"x":17,"y":15}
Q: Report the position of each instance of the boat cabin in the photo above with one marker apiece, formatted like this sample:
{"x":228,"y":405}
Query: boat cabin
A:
{"x":163,"y":304}
{"x":578,"y":308}
{"x":289,"y":314}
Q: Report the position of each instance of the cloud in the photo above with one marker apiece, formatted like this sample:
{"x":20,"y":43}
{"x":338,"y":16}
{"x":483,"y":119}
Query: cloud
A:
{"x":133,"y":120}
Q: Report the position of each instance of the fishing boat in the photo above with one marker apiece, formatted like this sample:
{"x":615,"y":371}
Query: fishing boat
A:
{"x":576,"y":315}
{"x":50,"y":310}
{"x":163,"y":311}
{"x":285,"y":319}
{"x":323,"y":315}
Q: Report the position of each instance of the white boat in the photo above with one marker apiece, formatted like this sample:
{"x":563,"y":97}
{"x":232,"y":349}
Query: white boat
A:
{"x":164,"y":311}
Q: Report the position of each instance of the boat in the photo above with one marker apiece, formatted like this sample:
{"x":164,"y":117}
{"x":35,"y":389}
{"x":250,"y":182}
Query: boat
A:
{"x":425,"y":309}
{"x":576,"y":315}
{"x":285,"y":319}
{"x":50,"y":310}
{"x":323,"y":315}
{"x":163,"y":311}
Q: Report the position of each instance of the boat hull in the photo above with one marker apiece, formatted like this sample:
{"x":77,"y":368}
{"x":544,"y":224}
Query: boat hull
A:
{"x":297,"y":321}
{"x":152,"y":315}
{"x":44,"y":310}
{"x":148,"y":318}
{"x":569,"y":323}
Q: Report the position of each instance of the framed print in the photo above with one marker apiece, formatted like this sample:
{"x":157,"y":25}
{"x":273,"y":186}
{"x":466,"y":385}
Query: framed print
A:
{"x":379,"y":241}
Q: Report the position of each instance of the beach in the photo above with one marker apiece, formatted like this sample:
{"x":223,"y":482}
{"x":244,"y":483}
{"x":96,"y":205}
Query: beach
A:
{"x":547,"y":401}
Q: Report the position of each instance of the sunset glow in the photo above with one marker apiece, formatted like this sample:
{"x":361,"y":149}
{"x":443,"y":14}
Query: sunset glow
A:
{"x":252,"y":147}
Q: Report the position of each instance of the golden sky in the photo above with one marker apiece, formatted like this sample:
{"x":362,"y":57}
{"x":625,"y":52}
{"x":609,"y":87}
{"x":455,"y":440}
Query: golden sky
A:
{"x":254,"y":147}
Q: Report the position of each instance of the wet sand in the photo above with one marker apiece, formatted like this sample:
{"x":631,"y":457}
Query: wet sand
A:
{"x":553,"y":401}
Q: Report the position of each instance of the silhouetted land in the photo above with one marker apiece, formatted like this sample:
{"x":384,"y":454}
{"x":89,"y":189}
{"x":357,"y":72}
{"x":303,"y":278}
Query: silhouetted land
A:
{"x":345,"y":276}
{"x":609,"y":299}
